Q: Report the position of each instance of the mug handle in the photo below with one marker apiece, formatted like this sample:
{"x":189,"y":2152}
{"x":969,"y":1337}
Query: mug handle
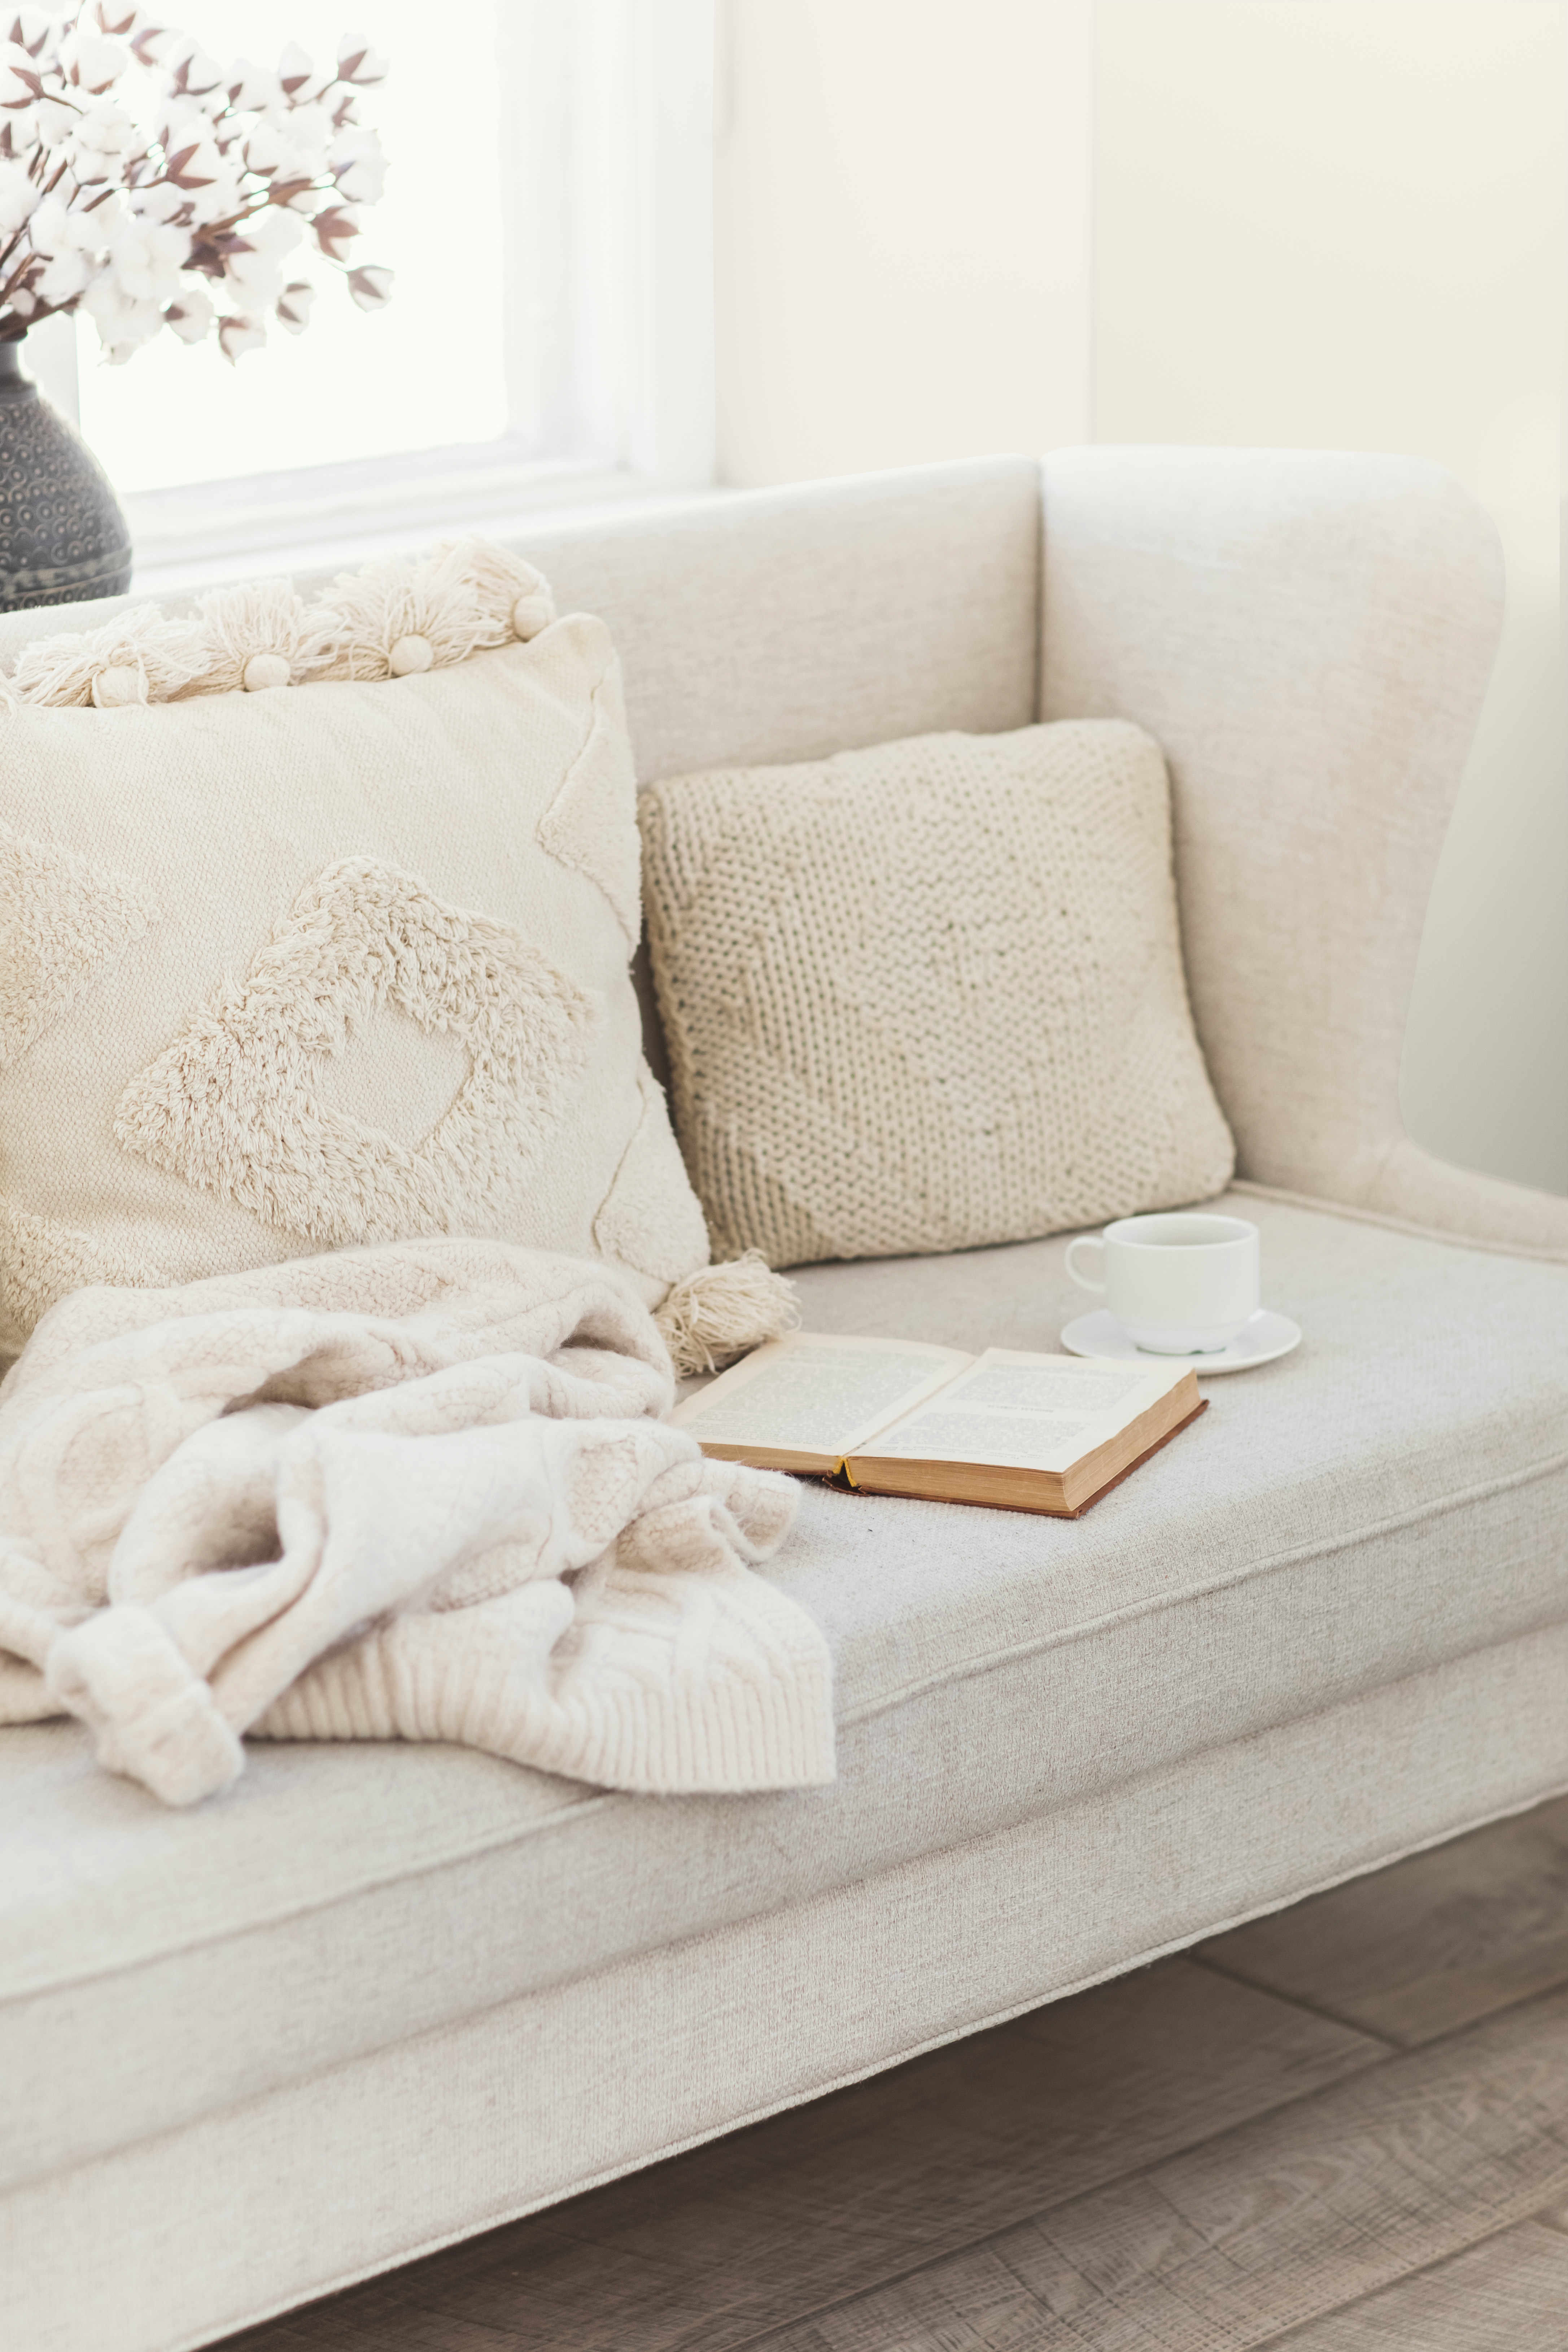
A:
{"x":1085,"y":1241}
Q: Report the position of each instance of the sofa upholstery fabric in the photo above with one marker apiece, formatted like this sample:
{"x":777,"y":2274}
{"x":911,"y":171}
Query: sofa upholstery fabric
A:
{"x":1379,"y":1504}
{"x":1308,"y":636}
{"x":381,"y":2158}
{"x":784,"y":624}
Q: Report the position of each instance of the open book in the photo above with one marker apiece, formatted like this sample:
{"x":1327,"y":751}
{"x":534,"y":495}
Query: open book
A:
{"x":901,"y":1417}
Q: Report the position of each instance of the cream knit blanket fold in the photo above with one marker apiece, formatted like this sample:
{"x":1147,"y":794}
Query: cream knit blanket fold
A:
{"x":416,"y":1492}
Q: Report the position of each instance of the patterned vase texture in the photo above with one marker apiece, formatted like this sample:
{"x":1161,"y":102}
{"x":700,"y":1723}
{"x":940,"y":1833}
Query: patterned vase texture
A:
{"x":62,"y":536}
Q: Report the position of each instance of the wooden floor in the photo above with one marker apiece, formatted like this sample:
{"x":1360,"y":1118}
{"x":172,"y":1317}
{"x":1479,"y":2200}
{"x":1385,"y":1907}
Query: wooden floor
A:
{"x":1344,"y":2128}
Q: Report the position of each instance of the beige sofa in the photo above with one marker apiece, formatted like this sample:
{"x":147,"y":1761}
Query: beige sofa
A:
{"x":380,"y":1998}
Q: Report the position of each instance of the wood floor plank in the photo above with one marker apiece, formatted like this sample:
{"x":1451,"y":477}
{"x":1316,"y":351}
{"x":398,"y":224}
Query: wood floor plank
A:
{"x":707,"y":2250}
{"x":1274,"y":2223}
{"x":1508,"y":2295}
{"x":1430,"y":1944}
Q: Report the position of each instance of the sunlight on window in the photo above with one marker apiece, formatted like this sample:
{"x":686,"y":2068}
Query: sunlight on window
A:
{"x":426,"y":373}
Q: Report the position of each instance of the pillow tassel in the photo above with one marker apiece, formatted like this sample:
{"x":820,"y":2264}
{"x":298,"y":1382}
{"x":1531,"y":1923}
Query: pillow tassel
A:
{"x":513,"y":598}
{"x":392,"y":618}
{"x":258,"y":635}
{"x":723,"y":1311}
{"x":144,"y":655}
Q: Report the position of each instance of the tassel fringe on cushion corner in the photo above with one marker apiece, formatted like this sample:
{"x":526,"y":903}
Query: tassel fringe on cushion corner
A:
{"x":259,"y":634}
{"x":390,"y":619}
{"x":721,"y":1311}
{"x":144,"y":655}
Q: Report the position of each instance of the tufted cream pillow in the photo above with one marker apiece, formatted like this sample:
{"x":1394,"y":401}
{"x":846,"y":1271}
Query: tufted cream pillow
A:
{"x":930,"y":995}
{"x":283,"y":971}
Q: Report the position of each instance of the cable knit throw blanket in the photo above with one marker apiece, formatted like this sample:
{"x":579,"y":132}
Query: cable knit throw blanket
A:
{"x":416,"y":1492}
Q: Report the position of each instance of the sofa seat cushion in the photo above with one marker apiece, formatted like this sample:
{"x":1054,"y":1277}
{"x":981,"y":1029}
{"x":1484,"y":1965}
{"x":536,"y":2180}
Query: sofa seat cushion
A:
{"x":1391,"y":1495}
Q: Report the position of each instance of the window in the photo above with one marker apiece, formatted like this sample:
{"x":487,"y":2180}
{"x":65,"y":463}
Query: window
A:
{"x":548,"y":215}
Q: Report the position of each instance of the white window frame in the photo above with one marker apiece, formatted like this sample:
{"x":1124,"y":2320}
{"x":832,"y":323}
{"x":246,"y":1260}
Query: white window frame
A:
{"x":608,"y":318}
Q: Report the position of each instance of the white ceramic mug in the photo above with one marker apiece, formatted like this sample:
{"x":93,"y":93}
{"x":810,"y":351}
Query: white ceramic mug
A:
{"x":1178,"y":1284}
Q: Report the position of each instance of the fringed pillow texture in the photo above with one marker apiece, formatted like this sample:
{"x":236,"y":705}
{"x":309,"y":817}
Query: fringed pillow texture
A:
{"x":929,"y":996}
{"x":283,"y":971}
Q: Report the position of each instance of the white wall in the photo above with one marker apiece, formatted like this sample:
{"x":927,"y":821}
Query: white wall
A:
{"x":943,"y":232}
{"x":1344,"y":224}
{"x":901,"y":232}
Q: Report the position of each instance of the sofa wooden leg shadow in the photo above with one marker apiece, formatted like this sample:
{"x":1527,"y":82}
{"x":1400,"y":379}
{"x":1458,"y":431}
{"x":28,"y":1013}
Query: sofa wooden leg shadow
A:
{"x":1343,"y":2125}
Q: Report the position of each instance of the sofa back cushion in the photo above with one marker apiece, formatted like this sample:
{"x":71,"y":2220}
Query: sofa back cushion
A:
{"x":929,"y":995}
{"x":786,"y":623}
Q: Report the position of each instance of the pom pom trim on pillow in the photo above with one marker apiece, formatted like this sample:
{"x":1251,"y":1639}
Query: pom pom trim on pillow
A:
{"x":392,"y":618}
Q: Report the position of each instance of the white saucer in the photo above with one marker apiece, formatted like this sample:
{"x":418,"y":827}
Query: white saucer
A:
{"x":1267,"y":1335}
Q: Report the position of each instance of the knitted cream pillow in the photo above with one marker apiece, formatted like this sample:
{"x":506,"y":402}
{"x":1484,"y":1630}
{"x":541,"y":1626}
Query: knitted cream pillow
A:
{"x":930,"y":995}
{"x":281,"y":971}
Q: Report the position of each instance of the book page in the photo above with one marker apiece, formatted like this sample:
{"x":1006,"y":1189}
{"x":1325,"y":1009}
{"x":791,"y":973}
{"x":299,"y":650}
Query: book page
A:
{"x":813,"y":1392}
{"x":1027,"y":1413}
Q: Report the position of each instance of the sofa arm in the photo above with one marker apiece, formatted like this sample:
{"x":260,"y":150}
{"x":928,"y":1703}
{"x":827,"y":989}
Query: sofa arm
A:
{"x":1418,"y":1190}
{"x":1308,"y":636}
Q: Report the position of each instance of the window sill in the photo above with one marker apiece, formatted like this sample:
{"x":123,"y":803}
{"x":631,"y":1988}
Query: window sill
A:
{"x":314,"y":521}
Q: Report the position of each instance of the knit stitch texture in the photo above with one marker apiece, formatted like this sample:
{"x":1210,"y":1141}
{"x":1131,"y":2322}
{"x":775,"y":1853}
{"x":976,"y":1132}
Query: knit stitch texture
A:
{"x":417,"y":1492}
{"x":930,"y":995}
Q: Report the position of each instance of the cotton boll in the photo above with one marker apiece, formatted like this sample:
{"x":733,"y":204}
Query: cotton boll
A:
{"x":237,"y":336}
{"x":159,"y":44}
{"x":19,"y":77}
{"x":99,"y":62}
{"x":298,"y":74}
{"x":294,"y":306}
{"x":56,"y":121}
{"x":57,"y":228}
{"x":370,"y":286}
{"x":358,"y":166}
{"x":37,"y":31}
{"x":124,"y":321}
{"x":18,"y":197}
{"x":106,"y":131}
{"x":51,"y":231}
{"x":192,"y":315}
{"x":179,"y":123}
{"x":265,"y":148}
{"x":257,"y":277}
{"x":203,"y":74}
{"x":159,"y":203}
{"x":198,"y":160}
{"x":309,"y":131}
{"x":250,"y":88}
{"x":63,"y":278}
{"x":145,"y":260}
{"x":219,"y":199}
{"x":274,"y":233}
{"x":335,"y":227}
{"x":358,"y":62}
{"x":256,"y":268}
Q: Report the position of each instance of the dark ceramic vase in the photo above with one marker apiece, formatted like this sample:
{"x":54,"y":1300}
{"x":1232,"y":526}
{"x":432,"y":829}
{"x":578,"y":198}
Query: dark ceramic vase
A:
{"x":62,"y":536}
